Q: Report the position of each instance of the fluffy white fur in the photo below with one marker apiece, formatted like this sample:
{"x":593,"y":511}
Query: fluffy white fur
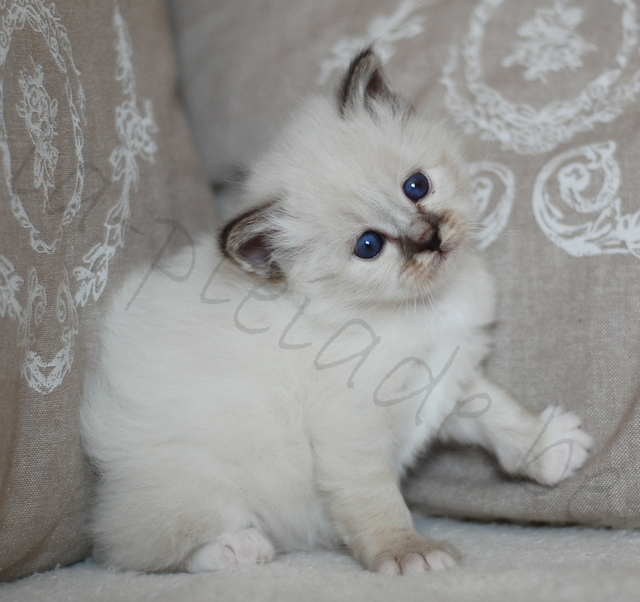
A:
{"x":275,"y":406}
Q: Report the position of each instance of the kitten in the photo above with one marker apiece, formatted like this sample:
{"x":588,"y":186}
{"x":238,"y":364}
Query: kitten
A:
{"x":272,"y":401}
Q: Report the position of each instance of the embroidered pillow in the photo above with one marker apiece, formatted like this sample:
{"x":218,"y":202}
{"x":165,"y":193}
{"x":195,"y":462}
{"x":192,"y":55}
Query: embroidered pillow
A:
{"x":546,"y":98}
{"x":97,"y":168}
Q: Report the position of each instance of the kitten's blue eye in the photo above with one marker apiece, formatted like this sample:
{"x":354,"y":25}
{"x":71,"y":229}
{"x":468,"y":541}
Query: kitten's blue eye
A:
{"x":369,"y":245}
{"x":416,"y":187}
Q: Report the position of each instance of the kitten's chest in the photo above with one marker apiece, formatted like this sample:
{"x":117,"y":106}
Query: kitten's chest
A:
{"x":403,"y":373}
{"x":420,"y":380}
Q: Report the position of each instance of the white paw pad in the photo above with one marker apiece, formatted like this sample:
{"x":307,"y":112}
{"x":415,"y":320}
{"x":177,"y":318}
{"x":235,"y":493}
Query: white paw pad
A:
{"x":414,"y":562}
{"x":247,"y":546}
{"x":561,"y":449}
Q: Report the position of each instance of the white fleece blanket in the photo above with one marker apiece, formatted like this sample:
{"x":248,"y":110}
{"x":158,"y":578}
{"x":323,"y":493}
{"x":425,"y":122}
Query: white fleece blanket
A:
{"x":501,"y":563}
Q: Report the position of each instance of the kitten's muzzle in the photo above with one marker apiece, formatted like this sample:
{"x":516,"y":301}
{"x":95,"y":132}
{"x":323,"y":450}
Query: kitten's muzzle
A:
{"x":424,"y":236}
{"x":431,"y":244}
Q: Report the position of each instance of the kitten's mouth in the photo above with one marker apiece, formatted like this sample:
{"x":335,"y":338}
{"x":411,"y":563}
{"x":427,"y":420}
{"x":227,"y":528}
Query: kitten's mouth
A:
{"x":439,"y":256}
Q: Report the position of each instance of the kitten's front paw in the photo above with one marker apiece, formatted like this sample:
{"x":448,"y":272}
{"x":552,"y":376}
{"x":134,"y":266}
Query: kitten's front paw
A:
{"x":416,"y":556}
{"x":561,"y":450}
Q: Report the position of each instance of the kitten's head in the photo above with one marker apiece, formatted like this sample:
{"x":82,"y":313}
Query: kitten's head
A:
{"x":360,"y":197}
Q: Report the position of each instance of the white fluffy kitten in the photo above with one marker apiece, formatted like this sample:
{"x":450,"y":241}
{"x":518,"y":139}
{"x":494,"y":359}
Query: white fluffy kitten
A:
{"x":273,"y":400}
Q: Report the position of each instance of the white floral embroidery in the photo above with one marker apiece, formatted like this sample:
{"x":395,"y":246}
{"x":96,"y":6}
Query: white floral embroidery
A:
{"x":550,"y":42}
{"x":44,"y":376}
{"x":31,"y":315}
{"x":493,"y":190}
{"x":384,"y":32}
{"x":576,"y":203}
{"x":520,"y":127}
{"x":10,"y":285}
{"x":134,"y":131}
{"x":39,"y":112}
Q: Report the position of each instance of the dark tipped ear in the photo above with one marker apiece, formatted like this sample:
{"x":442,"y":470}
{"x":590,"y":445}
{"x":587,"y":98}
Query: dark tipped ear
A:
{"x":248,"y":241}
{"x":364,"y":83}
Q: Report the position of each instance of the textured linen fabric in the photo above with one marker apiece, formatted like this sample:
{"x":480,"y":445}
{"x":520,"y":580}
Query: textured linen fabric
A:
{"x":97,"y":168}
{"x":545,"y":97}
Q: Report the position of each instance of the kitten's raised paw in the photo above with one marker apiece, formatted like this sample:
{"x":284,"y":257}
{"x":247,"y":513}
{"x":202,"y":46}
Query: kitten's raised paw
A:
{"x":562,"y":449}
{"x":418,"y":557}
{"x":247,"y":546}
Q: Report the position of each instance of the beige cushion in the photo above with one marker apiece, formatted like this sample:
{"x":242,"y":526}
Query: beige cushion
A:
{"x":546,"y":98}
{"x":94,"y":151}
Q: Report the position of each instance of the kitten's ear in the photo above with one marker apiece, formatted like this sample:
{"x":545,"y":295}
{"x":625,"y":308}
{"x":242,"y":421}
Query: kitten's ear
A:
{"x":248,"y":241}
{"x":364,"y":83}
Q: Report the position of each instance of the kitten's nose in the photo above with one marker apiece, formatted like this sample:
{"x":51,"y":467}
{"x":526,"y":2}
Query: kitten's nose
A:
{"x":428,"y":242}
{"x":432,"y":244}
{"x":424,"y":236}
